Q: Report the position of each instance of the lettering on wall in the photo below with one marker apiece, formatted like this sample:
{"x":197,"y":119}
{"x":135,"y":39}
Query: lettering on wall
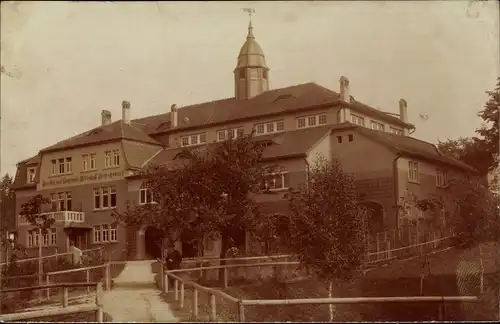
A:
{"x":83,"y":178}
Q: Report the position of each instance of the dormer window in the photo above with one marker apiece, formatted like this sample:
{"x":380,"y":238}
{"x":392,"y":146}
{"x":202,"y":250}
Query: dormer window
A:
{"x":31,"y":175}
{"x":311,"y":121}
{"x":194,"y":139}
{"x":377,"y":126}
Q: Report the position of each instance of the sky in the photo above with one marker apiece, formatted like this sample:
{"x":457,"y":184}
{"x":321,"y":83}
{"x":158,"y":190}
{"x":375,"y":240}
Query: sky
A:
{"x":67,"y":61}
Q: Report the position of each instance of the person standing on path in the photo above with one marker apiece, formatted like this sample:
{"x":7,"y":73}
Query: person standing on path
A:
{"x":173,"y":259}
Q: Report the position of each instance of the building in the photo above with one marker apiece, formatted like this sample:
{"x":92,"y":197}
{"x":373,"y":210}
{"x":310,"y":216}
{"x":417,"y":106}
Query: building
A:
{"x":89,"y":175}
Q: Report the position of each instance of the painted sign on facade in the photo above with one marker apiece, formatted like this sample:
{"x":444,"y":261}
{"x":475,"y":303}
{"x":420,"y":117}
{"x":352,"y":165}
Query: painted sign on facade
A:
{"x":102,"y":176}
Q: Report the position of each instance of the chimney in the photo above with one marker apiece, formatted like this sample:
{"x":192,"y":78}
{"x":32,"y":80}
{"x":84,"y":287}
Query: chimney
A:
{"x":105,"y":117}
{"x":126,"y":112}
{"x":344,"y":89}
{"x":403,"y":110}
{"x":174,"y":116}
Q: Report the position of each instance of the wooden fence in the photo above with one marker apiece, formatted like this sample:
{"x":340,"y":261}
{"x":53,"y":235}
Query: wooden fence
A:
{"x":180,"y":285}
{"x":59,"y":255}
{"x":64,"y":309}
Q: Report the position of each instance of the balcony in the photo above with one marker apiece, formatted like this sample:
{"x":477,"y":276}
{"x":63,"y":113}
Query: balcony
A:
{"x":65,"y":217}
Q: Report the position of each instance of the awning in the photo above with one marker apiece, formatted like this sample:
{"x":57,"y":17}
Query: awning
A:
{"x":78,"y":225}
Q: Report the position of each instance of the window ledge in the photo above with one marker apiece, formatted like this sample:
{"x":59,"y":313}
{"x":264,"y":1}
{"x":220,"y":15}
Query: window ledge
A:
{"x":103,"y":209}
{"x":414,"y":181}
{"x":111,"y":167}
{"x":105,"y":243}
{"x":89,"y":170}
{"x":60,"y":175}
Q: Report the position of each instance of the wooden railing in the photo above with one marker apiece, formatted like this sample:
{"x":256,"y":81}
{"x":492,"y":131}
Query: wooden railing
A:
{"x":57,"y":255}
{"x":391,"y":254}
{"x":65,"y":309}
{"x":180,"y":285}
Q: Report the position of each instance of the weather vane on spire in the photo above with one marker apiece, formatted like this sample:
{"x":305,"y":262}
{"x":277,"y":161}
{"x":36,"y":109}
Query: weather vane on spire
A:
{"x":250,"y":12}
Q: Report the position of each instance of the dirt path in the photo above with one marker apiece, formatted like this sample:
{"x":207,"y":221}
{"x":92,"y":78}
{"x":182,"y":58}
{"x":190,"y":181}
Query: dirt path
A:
{"x":135,"y":298}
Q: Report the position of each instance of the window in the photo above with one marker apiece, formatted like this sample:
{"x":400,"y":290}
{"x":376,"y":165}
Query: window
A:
{"x":193,"y":139}
{"x":301,"y":123}
{"x":224,"y":134}
{"x":107,"y":159}
{"x":269,"y":128}
{"x":396,"y":131}
{"x":280,"y":126}
{"x":104,"y":233}
{"x":264,"y":74}
{"x":88,"y":162}
{"x":60,"y":166}
{"x":441,"y":178}
{"x":93,"y":165}
{"x":276,"y":180}
{"x":116,"y":157}
{"x":61,"y":201}
{"x":357,"y":120}
{"x":413,"y":174}
{"x":47,"y":239}
{"x":243,"y":73}
{"x":31,"y":175}
{"x":105,"y":197}
{"x":68,"y":165}
{"x":351,"y":137}
{"x":145,"y":196}
{"x":339,"y":139}
{"x":311,"y":121}
{"x":53,"y":169}
{"x":377,"y":126}
{"x":111,"y":158}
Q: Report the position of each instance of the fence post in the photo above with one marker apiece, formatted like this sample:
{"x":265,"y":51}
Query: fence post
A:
{"x":225,"y":278}
{"x":389,"y":253}
{"x":182,"y":295}
{"x":47,"y":282}
{"x":442,"y":312}
{"x":98,"y":301}
{"x":166,"y":279}
{"x":162,"y":284}
{"x":64,"y":296}
{"x":377,"y":246}
{"x":241,"y":311}
{"x":88,"y":280}
{"x":213,"y":311}
{"x":195,"y":303}
{"x":108,"y":276}
{"x":176,"y":288}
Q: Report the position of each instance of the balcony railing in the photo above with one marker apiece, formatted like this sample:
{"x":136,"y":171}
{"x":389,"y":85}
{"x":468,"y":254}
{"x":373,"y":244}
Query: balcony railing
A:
{"x":65,"y":216}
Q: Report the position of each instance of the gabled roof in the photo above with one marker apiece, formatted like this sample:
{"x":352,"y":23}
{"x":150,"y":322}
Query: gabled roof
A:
{"x":406,"y":146}
{"x":113,"y":131}
{"x":30,"y":161}
{"x":273,"y":102}
{"x":281,"y":145}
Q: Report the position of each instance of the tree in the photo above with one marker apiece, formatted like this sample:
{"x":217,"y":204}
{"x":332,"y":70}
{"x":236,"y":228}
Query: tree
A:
{"x":32,"y":211}
{"x":328,"y":225}
{"x":479,"y":152}
{"x":475,"y":218}
{"x":470,"y":150}
{"x":206,"y":190}
{"x":489,"y":130}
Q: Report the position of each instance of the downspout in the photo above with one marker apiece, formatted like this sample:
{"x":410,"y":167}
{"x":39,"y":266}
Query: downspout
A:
{"x":396,"y":185}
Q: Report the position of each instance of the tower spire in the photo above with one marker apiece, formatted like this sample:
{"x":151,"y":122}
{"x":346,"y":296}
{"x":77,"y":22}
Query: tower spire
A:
{"x":250,"y":26}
